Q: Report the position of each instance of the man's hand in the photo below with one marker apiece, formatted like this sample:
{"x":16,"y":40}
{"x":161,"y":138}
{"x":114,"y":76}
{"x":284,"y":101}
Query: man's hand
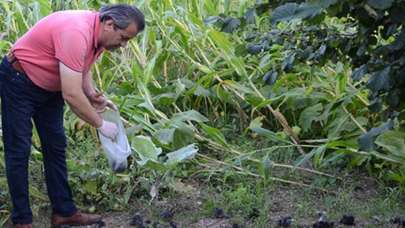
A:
{"x":108,"y":129}
{"x":100,"y":102}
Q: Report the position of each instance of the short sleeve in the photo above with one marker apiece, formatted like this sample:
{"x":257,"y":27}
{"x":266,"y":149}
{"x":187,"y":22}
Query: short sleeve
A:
{"x":71,"y":48}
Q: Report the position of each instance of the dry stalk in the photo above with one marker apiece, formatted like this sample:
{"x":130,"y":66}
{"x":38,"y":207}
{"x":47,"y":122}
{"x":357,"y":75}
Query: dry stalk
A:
{"x":243,"y":171}
{"x":217,"y":146}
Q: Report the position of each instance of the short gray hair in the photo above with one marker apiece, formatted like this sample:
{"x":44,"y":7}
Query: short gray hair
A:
{"x":123,"y":15}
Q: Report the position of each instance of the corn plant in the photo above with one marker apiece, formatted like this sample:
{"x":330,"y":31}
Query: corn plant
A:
{"x":205,"y":72}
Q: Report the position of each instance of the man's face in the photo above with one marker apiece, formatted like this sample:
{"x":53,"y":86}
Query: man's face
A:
{"x":115,"y":37}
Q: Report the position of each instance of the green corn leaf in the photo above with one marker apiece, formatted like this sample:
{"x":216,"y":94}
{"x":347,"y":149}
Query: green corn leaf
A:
{"x":310,"y":115}
{"x":256,"y":126}
{"x":182,"y":154}
{"x":145,"y":149}
{"x":380,"y":81}
{"x":306,"y":157}
{"x":394,"y":143}
{"x":306,"y":10}
{"x":165,"y":136}
{"x":214,"y":134}
{"x":380,"y":4}
{"x":366,"y":141}
{"x":191,"y":115}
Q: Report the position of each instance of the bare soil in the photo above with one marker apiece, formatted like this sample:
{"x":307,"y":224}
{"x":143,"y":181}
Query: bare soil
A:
{"x":184,"y":209}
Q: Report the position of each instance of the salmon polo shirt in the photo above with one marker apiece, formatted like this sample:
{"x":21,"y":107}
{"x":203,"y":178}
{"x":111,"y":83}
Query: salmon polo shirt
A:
{"x":69,"y":37}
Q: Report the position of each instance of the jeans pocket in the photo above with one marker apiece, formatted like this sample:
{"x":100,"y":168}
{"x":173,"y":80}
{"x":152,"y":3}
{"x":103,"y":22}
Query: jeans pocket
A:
{"x":20,"y":79}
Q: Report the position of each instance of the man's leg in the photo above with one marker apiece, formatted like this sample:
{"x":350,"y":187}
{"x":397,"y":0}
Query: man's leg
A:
{"x":49,"y":123}
{"x":48,"y":120}
{"x":17,"y":109}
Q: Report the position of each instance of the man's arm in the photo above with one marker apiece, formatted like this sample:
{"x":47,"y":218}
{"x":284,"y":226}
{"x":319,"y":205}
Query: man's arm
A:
{"x":88,"y":86}
{"x":97,"y":99}
{"x":72,"y":91}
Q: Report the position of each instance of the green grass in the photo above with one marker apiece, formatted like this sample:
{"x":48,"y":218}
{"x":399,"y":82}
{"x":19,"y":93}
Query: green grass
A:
{"x":275,"y":201}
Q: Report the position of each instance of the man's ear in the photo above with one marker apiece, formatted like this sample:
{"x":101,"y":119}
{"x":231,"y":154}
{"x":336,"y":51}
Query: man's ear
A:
{"x":109,"y":25}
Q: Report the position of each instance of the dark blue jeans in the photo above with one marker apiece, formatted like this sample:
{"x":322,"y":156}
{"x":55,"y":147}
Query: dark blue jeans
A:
{"x":22,"y":102}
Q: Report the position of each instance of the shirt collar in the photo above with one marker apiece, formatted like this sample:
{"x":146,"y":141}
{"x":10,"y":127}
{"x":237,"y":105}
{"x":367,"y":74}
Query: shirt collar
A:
{"x":96,"y":29}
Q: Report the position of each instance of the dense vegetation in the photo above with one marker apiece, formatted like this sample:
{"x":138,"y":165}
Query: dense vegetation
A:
{"x":252,"y":89}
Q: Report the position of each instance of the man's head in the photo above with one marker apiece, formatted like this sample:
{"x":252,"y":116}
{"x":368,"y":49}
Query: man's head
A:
{"x":119,"y":23}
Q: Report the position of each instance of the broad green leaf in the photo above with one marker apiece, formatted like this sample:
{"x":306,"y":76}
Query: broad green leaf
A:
{"x":210,"y":7}
{"x":221,"y":40}
{"x":399,"y":42}
{"x":255,"y":48}
{"x":393,"y":142}
{"x":394,"y":97}
{"x":239,"y":66}
{"x":134,"y":130}
{"x":288,"y":62}
{"x":264,"y":103}
{"x":366,"y":141}
{"x":238,"y":86}
{"x":155,"y":165}
{"x":341,"y":84}
{"x":148,"y":104}
{"x":91,"y":187}
{"x":270,"y":77}
{"x":183,"y":136}
{"x":310,"y":115}
{"x":306,"y":157}
{"x":201,"y":91}
{"x":380,"y":81}
{"x":337,"y":156}
{"x":182,"y":154}
{"x":165,"y":136}
{"x":343,"y":123}
{"x":45,"y":8}
{"x":183,"y":127}
{"x":265,"y":61}
{"x":359,"y":72}
{"x":145,"y":149}
{"x":294,"y":11}
{"x":180,"y":87}
{"x":148,"y":71}
{"x":319,"y":156}
{"x":256,"y":123}
{"x":250,"y":16}
{"x":227,"y":6}
{"x":191,"y":115}
{"x":165,"y":98}
{"x":214,"y":134}
{"x":380,"y":4}
{"x":375,"y":105}
{"x":352,"y":143}
{"x":256,"y":126}
{"x":168,"y":4}
{"x":230,"y":25}
{"x":387,"y":157}
{"x":212,"y":20}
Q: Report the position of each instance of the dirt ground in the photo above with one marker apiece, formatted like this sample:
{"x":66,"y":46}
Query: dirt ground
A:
{"x":185,"y":209}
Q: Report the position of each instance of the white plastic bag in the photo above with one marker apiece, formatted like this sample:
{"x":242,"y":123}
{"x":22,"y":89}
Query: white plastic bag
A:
{"x":117,"y":151}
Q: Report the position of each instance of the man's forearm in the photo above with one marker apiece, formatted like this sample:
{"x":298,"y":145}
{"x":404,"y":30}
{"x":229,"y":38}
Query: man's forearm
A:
{"x":83,"y":109}
{"x":88,"y":87}
{"x":73,"y":93}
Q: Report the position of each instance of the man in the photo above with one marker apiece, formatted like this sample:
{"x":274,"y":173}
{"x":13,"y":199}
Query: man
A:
{"x":51,"y":64}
